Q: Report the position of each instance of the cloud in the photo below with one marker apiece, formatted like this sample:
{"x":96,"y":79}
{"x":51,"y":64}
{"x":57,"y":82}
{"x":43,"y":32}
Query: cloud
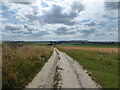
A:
{"x":24,"y":3}
{"x":4,"y":7}
{"x":12,"y":28}
{"x":59,"y":20}
{"x":64,"y":31}
{"x":101,"y":34}
{"x":90,"y":24}
{"x":39,"y":34}
{"x":87,"y":32}
{"x":111,"y":5}
{"x":55,"y":15}
{"x":26,"y":26}
{"x":17,"y":1}
{"x":77,"y":7}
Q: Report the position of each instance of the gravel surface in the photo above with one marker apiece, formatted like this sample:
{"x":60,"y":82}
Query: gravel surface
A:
{"x":61,"y":71}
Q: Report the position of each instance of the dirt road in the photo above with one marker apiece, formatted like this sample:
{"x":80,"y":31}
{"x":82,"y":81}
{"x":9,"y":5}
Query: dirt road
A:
{"x":61,"y":71}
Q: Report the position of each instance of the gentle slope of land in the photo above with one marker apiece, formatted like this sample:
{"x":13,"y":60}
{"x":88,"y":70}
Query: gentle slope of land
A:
{"x":84,"y":65}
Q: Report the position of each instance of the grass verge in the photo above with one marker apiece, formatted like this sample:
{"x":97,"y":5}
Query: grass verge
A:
{"x":21,"y":64}
{"x":102,"y":66}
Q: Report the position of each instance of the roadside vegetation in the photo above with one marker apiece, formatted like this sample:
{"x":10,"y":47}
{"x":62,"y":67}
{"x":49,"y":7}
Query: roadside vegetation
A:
{"x":22,"y":63}
{"x":102,"y":66}
{"x":0,"y":65}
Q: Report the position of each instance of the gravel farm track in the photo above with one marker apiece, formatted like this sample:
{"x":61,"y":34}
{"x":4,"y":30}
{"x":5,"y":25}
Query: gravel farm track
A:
{"x":61,"y":71}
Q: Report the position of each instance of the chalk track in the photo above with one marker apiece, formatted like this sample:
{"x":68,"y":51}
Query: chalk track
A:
{"x":61,"y":71}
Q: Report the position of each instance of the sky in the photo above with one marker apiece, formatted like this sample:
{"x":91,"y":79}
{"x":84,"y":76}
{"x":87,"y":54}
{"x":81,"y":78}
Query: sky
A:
{"x":52,"y":20}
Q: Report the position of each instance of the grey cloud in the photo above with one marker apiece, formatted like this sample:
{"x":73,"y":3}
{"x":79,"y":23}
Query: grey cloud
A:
{"x":32,"y":18}
{"x":19,"y":1}
{"x":17,"y":32}
{"x":90,"y":24}
{"x":31,"y":29}
{"x":111,"y":5}
{"x":87,"y":32}
{"x":3,"y":7}
{"x":26,"y":26}
{"x":55,"y":15}
{"x":24,"y":3}
{"x":100,"y":34}
{"x":77,"y":7}
{"x":64,"y":31}
{"x":40,"y":33}
{"x":103,"y":34}
{"x":27,"y":32}
{"x":11,"y":28}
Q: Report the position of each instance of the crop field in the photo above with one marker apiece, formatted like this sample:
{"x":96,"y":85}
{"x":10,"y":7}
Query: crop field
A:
{"x":22,"y":63}
{"x":96,"y":49}
{"x":102,"y":66}
{"x":88,"y":45}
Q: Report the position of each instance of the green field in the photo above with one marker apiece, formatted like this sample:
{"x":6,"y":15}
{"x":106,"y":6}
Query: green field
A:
{"x":102,"y":66}
{"x":86,"y":45}
{"x":36,"y":44}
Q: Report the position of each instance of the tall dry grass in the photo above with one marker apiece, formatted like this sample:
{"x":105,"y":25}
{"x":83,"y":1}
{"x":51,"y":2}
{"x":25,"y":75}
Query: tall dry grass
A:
{"x":0,"y":65}
{"x":21,"y":64}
